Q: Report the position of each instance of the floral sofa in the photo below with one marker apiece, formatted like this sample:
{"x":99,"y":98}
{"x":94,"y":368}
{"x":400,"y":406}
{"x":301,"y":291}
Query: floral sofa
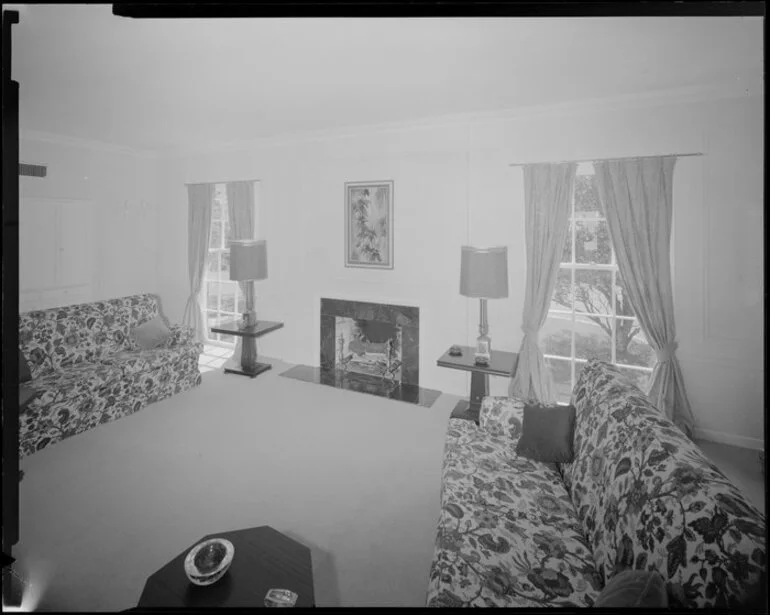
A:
{"x":638,"y":495}
{"x":88,"y":370}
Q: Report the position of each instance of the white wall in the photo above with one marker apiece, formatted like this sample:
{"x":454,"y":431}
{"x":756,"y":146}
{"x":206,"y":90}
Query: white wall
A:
{"x":454,"y":185}
{"x":118,"y":250}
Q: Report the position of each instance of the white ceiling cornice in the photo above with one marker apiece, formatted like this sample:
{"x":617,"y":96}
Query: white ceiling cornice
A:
{"x":100,"y":146}
{"x":673,"y":97}
{"x":679,"y":96}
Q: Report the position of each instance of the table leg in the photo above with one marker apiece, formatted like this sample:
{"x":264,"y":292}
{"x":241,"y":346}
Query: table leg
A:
{"x":479,"y":390}
{"x":249,"y":354}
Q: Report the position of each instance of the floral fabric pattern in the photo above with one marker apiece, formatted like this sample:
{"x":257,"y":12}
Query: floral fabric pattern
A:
{"x":508,"y":534}
{"x":648,"y":499}
{"x":639,"y":495}
{"x":89,"y":372}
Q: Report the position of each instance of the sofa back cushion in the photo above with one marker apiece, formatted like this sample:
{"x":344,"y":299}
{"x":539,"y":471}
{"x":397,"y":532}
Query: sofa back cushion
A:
{"x":648,"y":499}
{"x":85,"y":332}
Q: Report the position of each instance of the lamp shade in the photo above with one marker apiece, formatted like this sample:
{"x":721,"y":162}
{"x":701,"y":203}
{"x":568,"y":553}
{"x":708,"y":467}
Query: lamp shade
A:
{"x":248,"y":259}
{"x":484,"y":272}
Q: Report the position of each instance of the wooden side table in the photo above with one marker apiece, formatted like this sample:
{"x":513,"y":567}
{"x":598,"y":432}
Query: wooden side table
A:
{"x":501,"y":364}
{"x":249,"y":364}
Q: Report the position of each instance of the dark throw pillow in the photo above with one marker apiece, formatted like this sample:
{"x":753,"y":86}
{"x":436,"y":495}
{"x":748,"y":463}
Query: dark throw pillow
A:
{"x":546,"y":433}
{"x":25,"y":374}
{"x":638,"y":588}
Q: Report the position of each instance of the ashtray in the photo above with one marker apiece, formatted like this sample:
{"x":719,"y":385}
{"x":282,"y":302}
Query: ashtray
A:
{"x":208,"y":561}
{"x":280,"y":598}
{"x":455,"y":351}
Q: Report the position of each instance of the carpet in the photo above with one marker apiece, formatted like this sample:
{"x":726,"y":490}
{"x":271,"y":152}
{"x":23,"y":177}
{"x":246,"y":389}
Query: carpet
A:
{"x":354,"y":477}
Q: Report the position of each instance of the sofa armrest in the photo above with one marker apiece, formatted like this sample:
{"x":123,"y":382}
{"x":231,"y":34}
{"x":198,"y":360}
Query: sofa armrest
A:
{"x":502,"y":416}
{"x":181,"y":335}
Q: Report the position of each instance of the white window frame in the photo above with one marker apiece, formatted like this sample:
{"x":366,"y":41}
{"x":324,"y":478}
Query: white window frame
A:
{"x":587,"y":169}
{"x":215,"y":338}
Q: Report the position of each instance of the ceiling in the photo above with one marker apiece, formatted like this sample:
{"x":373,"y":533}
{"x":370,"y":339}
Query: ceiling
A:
{"x":169,"y":84}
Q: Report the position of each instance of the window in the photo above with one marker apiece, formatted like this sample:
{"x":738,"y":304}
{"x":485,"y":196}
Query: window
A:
{"x":590,"y":315}
{"x":222,"y":295}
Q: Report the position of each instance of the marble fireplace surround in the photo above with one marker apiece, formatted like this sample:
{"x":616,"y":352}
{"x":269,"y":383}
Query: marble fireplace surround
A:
{"x":407,"y":389}
{"x":407,"y":317}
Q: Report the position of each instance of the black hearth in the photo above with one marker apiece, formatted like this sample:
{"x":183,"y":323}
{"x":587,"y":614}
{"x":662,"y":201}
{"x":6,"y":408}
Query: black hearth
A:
{"x":369,"y":348}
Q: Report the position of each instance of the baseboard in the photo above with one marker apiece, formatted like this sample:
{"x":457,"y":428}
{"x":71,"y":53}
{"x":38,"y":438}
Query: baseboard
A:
{"x":731,"y":439}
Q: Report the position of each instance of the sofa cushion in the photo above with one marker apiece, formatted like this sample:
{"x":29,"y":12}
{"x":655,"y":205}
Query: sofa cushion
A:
{"x":25,"y":374}
{"x":150,"y":334}
{"x":502,"y":416}
{"x":634,"y":588}
{"x":547,"y":433}
{"x":507,"y":533}
{"x":75,"y":381}
{"x":648,"y":499}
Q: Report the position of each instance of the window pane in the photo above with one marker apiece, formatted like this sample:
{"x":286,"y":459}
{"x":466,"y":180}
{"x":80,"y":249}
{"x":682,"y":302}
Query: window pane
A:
{"x":225,"y":265}
{"x":561,"y":371}
{"x":593,"y":291}
{"x":586,"y":198}
{"x":215,"y":241}
{"x":556,"y":335}
{"x":216,"y":209}
{"x":228,"y":339}
{"x":579,"y":365}
{"x":592,"y":242}
{"x":212,"y":318}
{"x":622,"y":301}
{"x":640,"y":378}
{"x":212,"y":265}
{"x":228,"y":232}
{"x":631,"y":345}
{"x":593,"y":339}
{"x":562,"y":291}
{"x":228,"y":297}
{"x":212,"y":289}
{"x":566,"y":254}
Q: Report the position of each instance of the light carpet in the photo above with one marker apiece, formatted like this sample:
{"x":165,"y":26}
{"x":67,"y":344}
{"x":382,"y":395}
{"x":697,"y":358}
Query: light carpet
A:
{"x":354,"y":477}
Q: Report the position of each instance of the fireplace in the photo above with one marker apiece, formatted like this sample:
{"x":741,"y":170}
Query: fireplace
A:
{"x":373,"y":339}
{"x":369,"y":348}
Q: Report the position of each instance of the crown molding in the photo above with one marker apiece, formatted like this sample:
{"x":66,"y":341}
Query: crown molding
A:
{"x":687,"y":95}
{"x":100,"y":146}
{"x":670,"y":97}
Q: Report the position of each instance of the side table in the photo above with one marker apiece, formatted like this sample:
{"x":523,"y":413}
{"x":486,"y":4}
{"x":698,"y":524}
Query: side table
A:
{"x":502,"y":363}
{"x":249,"y":364}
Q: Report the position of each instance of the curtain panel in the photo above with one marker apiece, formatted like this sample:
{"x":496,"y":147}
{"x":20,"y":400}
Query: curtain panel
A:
{"x":547,"y":195}
{"x":637,"y":198}
{"x":200,"y":198}
{"x":240,"y":209}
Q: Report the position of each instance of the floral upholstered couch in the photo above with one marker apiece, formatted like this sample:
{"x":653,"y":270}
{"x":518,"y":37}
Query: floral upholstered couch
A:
{"x":638,"y":495}
{"x":88,"y":370}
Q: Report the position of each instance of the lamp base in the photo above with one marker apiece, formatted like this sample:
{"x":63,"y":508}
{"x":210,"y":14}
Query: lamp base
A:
{"x":483,"y":352}
{"x":249,"y":319}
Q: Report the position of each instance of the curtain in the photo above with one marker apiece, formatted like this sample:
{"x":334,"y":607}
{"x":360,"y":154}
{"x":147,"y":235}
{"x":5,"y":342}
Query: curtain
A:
{"x":636,"y":196}
{"x":547,"y":193}
{"x":200,"y":198}
{"x":240,"y":209}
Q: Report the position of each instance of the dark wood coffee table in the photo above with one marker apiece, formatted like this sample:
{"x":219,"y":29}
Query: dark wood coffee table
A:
{"x":264,"y":559}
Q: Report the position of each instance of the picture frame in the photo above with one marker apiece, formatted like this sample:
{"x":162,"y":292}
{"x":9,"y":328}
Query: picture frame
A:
{"x":369,"y":224}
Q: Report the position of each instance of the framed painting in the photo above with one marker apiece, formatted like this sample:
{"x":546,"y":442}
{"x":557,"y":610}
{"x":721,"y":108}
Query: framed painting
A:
{"x":369,"y":224}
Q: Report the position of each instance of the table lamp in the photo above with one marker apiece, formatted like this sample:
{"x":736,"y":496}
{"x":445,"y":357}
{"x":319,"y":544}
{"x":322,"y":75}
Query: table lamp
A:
{"x":248,"y":263}
{"x":484,"y":274}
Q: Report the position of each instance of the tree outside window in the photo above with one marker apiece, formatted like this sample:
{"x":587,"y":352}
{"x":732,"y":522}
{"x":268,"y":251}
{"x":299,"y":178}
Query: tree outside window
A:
{"x":590,"y":314}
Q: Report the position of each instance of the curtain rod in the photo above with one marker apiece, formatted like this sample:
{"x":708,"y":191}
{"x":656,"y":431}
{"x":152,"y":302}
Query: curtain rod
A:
{"x":521,"y":164}
{"x":205,"y":183}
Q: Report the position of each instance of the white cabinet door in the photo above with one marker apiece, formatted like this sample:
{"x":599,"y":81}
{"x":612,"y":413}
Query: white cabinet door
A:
{"x":56,"y":252}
